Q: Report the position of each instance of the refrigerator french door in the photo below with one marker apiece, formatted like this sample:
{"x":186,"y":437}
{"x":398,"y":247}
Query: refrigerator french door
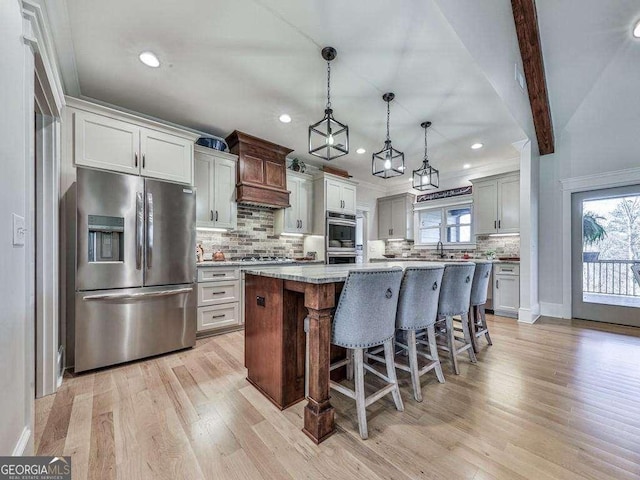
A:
{"x":135,"y":268}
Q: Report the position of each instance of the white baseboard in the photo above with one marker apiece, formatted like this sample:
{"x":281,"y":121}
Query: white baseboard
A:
{"x":527,"y":315}
{"x":552,"y":309}
{"x":23,"y":441}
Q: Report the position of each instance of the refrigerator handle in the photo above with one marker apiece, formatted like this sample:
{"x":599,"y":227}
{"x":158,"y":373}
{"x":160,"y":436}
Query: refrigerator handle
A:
{"x":139,"y":229}
{"x":133,"y":296}
{"x":149,"y":229}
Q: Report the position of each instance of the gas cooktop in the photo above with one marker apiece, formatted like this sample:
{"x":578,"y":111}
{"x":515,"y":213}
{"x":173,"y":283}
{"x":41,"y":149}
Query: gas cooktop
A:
{"x":257,"y":258}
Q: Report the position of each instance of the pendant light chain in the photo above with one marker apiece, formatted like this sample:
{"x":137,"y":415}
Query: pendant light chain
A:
{"x":388,"y":114}
{"x":328,"y":138}
{"x":426,"y":154}
{"x":328,"y":84}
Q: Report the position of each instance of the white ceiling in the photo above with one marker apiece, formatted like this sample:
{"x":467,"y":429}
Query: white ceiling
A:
{"x":582,"y":43}
{"x":239,"y":64}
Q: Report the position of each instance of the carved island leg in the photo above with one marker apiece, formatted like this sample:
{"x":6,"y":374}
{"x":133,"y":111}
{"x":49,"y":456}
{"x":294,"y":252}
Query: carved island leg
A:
{"x":319,"y":414}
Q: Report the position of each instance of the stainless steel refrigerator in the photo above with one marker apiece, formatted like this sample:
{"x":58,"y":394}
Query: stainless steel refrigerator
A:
{"x":135,"y":269}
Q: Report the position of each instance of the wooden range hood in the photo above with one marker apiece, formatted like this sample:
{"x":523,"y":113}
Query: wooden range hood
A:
{"x":261,"y":177}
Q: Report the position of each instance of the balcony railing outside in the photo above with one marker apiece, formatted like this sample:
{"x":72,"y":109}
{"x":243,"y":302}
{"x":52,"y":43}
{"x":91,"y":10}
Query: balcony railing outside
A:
{"x":611,"y":277}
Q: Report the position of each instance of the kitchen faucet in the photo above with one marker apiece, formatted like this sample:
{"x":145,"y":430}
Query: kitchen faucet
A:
{"x":440,"y":249}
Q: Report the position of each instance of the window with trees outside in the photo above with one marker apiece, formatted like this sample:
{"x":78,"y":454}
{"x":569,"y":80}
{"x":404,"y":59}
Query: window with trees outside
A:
{"x":451,"y":225}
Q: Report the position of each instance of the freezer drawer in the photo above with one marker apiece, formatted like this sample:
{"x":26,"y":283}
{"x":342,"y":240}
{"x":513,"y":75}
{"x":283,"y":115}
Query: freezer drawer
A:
{"x":115,"y":326}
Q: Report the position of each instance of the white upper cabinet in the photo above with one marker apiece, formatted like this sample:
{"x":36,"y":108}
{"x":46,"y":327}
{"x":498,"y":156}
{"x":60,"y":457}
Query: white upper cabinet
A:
{"x":497,"y":204}
{"x":395,"y":217}
{"x":166,"y":156}
{"x":333,"y":190}
{"x":215,"y":180}
{"x":110,"y":140}
{"x":486,"y":207}
{"x":341,"y":196}
{"x":509,"y":205}
{"x":297,"y":217}
{"x":331,"y":194}
{"x":106,"y":143}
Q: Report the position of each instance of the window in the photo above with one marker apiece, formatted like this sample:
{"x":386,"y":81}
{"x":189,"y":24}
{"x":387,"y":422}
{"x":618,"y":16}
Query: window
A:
{"x":450,"y":225}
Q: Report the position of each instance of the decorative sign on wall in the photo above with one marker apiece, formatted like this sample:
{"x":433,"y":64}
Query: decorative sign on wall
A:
{"x":454,"y":192}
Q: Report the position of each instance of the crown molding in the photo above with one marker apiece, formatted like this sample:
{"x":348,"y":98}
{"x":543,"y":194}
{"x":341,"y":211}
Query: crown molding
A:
{"x":37,"y":35}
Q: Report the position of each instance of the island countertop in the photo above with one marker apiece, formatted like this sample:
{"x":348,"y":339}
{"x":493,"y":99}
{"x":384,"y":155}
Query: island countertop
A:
{"x":319,"y":274}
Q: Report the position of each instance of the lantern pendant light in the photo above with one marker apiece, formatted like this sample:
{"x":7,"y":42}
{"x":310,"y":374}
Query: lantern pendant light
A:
{"x":388,"y":162}
{"x":426,"y":177}
{"x":328,"y":139}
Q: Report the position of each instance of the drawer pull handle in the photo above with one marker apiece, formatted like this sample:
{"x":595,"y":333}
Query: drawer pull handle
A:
{"x":218,"y":293}
{"x":218,"y":316}
{"x":218,"y":274}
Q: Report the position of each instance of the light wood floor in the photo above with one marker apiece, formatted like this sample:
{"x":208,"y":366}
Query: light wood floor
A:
{"x":556,"y":400}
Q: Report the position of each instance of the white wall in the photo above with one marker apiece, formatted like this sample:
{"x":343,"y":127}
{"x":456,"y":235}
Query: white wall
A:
{"x":603,"y":135}
{"x":16,"y":263}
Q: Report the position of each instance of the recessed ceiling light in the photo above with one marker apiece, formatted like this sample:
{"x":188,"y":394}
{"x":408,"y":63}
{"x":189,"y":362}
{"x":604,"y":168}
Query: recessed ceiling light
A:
{"x":476,"y":146}
{"x":360,"y":151}
{"x":466,"y":165}
{"x":284,"y":118}
{"x":636,"y":30}
{"x":149,"y":59}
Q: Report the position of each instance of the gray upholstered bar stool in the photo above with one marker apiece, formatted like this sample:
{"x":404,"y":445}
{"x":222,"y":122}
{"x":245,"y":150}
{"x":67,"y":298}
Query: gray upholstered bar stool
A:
{"x":455,"y":295}
{"x":366,"y":317}
{"x":477,"y":316}
{"x":418,"y":310}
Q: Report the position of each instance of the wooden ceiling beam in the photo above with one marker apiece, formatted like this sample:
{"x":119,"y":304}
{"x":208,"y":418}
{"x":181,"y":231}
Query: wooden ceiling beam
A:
{"x":526,"y":20}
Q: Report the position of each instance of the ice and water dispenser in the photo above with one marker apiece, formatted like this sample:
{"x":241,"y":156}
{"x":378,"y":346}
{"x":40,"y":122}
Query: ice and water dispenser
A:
{"x":106,"y":239}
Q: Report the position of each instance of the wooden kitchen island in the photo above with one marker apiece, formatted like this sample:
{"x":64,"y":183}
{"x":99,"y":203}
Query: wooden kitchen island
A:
{"x":277,"y":299}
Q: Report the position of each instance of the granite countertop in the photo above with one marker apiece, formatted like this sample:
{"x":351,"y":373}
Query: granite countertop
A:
{"x":333,"y":273}
{"x":240,"y":263}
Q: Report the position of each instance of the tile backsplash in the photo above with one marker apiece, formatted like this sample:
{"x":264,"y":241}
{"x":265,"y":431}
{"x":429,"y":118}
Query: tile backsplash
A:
{"x":502,"y":246}
{"x":254,"y":236}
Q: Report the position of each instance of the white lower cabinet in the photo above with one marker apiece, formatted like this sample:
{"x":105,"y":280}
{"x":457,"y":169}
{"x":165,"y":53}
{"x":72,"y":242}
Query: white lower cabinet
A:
{"x":218,"y":316}
{"x":506,"y":289}
{"x":219,"y":299}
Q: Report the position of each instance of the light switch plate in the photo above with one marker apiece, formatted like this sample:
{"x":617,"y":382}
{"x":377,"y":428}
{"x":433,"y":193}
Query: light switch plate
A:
{"x":18,"y":230}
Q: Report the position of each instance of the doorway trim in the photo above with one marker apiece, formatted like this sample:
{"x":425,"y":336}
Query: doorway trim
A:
{"x":47,"y":94}
{"x":618,"y":178}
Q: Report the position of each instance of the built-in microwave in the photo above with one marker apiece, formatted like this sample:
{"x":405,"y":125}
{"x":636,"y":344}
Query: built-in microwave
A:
{"x":341,"y":233}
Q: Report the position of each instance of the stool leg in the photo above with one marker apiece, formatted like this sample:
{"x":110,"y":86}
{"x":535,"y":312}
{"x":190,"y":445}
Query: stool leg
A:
{"x":413,"y":365}
{"x":451,"y":341}
{"x":391,"y":373}
{"x":467,"y":337}
{"x":433,"y":351}
{"x":350,"y":365}
{"x":483,"y":318}
{"x":473,"y":318}
{"x":360,"y":395}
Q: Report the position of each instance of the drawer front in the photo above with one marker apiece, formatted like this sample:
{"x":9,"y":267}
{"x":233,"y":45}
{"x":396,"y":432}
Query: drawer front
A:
{"x":214,"y":293}
{"x":218,"y":316}
{"x":507,"y":269}
{"x":213,"y":274}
